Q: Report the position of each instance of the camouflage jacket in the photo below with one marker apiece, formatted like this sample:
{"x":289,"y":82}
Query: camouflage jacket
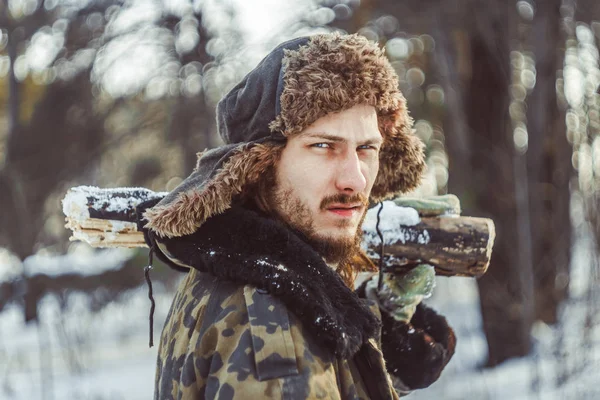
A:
{"x":260,"y":315}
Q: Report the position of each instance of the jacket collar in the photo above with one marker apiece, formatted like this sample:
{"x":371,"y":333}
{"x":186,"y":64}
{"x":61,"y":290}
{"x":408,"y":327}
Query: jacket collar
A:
{"x":244,"y":246}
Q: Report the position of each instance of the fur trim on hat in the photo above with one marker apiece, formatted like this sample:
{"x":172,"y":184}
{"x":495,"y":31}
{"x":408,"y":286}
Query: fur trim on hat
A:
{"x":193,"y":207}
{"x":335,"y":72}
{"x":402,"y":157}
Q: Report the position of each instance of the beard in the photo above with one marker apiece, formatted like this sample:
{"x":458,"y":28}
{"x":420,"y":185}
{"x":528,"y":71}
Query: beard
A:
{"x":296,"y":214}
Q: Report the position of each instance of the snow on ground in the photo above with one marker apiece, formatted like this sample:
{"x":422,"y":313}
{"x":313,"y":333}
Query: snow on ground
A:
{"x":80,"y":259}
{"x":10,"y":266}
{"x":528,"y":378}
{"x":84,"y":355}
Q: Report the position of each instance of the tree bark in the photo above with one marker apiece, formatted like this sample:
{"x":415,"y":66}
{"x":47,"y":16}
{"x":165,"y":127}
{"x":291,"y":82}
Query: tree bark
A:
{"x":549,"y":167}
{"x":473,"y":49}
{"x":506,"y":291}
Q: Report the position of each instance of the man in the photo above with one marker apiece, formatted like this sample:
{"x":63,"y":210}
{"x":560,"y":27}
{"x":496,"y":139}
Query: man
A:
{"x":268,"y":226}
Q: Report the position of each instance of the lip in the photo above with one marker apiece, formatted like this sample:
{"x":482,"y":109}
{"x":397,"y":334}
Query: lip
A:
{"x":338,"y":205}
{"x":344,"y":210}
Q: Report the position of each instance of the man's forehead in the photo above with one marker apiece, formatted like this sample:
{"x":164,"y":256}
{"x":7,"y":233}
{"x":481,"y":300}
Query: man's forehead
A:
{"x":370,"y":136}
{"x":359,"y":122}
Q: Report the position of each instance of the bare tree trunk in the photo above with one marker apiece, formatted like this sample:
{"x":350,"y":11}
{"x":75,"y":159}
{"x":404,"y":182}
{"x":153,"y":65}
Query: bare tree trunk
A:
{"x":451,"y":56}
{"x":506,"y":291}
{"x":549,"y":166}
{"x":13,"y":86}
{"x":473,"y":49}
{"x":46,"y":151}
{"x":13,"y":198}
{"x":191,"y":123}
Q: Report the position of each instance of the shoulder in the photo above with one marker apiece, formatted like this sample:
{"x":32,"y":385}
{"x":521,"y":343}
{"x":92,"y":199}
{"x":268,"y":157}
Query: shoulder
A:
{"x":258,"y":334}
{"x":234,"y":323}
{"x":255,"y":331}
{"x":242,"y":338}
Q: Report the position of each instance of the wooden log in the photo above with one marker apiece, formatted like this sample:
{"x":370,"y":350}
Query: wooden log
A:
{"x":456,"y":246}
{"x":84,"y":202}
{"x":432,"y":233}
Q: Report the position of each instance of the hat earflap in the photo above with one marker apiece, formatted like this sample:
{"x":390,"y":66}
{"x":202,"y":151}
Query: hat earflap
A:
{"x":401,"y":161}
{"x":193,"y":207}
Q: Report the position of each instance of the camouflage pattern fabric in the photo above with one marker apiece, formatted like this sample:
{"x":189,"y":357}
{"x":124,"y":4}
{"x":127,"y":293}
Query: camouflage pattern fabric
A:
{"x":260,"y":315}
{"x":224,"y":340}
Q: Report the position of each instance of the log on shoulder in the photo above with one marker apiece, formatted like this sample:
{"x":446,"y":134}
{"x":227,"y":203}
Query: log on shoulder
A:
{"x":105,"y":217}
{"x":414,"y":230}
{"x":455,"y":246}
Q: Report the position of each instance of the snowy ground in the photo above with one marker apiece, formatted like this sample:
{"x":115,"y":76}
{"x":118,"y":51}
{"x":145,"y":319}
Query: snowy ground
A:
{"x":84,"y":355}
{"x":529,"y":378}
{"x":105,"y":355}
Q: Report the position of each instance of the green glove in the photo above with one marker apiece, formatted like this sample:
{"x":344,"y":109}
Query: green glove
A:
{"x":431,"y":206}
{"x":400,"y":294}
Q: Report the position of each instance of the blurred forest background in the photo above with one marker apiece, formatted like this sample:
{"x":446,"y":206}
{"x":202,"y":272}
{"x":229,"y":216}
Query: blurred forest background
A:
{"x":122,"y":93}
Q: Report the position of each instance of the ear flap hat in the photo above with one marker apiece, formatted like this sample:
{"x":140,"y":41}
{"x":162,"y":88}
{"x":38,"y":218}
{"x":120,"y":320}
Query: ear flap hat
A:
{"x":297,"y":83}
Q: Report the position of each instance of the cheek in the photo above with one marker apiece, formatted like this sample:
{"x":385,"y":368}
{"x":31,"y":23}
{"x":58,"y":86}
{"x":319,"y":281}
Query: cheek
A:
{"x":370,"y":172}
{"x":308,"y":181}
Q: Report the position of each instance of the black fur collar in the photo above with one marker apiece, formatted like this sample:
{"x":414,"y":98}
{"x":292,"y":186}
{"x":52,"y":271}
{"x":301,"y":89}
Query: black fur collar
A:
{"x":243,"y":246}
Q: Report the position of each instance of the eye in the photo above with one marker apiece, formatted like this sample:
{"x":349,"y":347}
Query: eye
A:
{"x":368,"y":147}
{"x":321,"y":145}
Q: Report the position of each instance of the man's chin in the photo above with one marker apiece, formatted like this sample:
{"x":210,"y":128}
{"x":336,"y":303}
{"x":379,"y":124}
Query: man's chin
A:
{"x":338,"y":231}
{"x":335,"y":232}
{"x":335,"y":247}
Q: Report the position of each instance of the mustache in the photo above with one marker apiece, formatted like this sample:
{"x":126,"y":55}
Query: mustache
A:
{"x":341,"y":198}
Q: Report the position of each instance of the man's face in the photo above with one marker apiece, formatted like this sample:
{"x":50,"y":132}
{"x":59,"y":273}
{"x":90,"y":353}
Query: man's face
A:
{"x":325,"y":176}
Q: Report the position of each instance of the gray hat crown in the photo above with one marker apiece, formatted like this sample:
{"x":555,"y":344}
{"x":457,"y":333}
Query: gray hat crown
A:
{"x":244,"y":114}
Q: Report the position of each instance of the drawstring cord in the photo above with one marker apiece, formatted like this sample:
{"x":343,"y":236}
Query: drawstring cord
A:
{"x":149,"y":282}
{"x":381,"y":248}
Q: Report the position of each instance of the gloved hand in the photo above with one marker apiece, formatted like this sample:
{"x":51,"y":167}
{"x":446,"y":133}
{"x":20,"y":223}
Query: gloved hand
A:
{"x":400,"y":294}
{"x":417,"y":352}
{"x":417,"y":343}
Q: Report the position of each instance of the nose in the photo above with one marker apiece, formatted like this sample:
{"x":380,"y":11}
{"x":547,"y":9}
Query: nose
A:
{"x":350,"y":177}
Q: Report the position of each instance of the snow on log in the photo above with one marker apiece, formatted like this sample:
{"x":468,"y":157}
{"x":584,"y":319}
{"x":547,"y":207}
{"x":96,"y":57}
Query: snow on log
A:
{"x":454,"y":245}
{"x":426,"y":230}
{"x":105,"y":217}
